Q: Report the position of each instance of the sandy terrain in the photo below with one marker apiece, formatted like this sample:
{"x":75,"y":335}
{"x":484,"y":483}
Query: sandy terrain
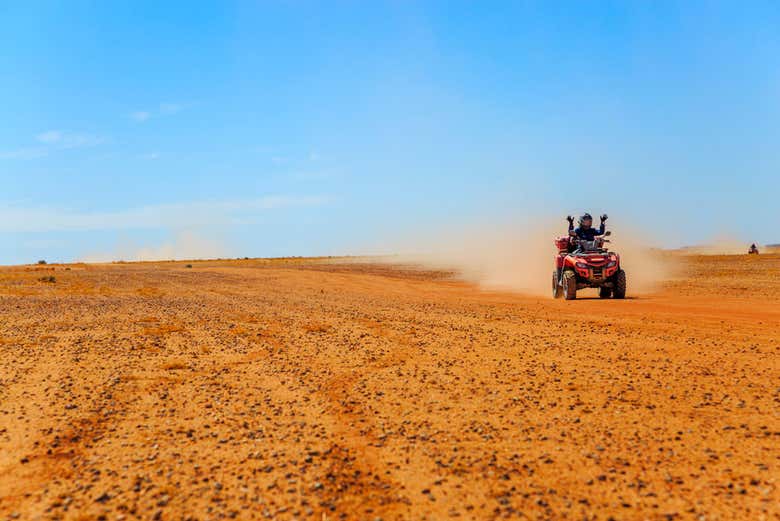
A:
{"x":315,"y":390}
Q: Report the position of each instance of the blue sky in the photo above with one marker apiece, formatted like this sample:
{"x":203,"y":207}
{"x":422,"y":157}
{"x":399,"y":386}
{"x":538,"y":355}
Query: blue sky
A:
{"x":301,"y":128}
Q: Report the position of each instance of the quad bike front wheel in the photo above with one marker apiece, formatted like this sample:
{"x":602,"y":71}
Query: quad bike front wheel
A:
{"x":569,"y":285}
{"x":620,"y":285}
{"x":605,"y":292}
{"x":556,"y":287}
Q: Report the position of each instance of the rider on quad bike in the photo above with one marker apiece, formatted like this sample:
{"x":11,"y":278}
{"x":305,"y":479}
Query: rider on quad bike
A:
{"x":584,"y":261}
{"x":585,"y":231}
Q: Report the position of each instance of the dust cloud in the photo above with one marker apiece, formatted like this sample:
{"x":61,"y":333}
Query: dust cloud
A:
{"x":185,"y":245}
{"x":518,"y":256}
{"x":723,"y":244}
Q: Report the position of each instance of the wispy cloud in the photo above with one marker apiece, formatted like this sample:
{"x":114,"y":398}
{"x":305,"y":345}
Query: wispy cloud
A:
{"x":43,"y":244}
{"x":150,"y":156}
{"x":170,"y":108}
{"x":140,"y":116}
{"x":50,"y":136}
{"x":287,"y":156}
{"x":51,"y":140}
{"x":173,"y":215}
{"x":24,"y":153}
{"x":163,"y":109}
{"x":66,"y":140}
{"x":317,"y":175}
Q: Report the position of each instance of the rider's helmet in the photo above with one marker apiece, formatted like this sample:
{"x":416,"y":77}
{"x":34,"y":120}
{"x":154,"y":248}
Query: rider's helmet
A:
{"x":586,"y":220}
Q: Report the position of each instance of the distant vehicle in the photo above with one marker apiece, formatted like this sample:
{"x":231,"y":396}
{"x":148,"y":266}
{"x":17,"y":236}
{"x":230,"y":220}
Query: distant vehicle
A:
{"x":583,"y":264}
{"x":753,"y":250}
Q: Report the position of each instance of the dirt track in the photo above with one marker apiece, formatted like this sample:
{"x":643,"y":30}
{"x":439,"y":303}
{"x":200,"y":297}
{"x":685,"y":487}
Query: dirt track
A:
{"x":301,"y":389}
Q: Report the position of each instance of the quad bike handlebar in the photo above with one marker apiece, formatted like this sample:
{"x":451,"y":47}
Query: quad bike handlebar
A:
{"x":596,"y":244}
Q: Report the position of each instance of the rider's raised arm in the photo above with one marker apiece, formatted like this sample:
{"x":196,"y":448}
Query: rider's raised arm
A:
{"x":601,"y":229}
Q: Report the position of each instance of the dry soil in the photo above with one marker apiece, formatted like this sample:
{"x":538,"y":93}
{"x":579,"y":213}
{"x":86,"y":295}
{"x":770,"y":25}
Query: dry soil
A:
{"x":322,"y":389}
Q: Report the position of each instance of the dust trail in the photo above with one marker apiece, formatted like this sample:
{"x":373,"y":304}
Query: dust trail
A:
{"x":518,"y":255}
{"x":185,"y":245}
{"x":722,"y":244}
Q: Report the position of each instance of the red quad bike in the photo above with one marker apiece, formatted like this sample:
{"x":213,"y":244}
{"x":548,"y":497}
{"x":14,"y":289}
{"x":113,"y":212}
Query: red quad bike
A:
{"x":587,"y":264}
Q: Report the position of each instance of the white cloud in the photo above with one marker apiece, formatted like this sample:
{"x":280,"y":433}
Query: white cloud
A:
{"x":24,"y":153}
{"x":53,"y":140}
{"x":66,"y":140}
{"x":173,"y":215}
{"x":50,"y":136}
{"x":170,"y":108}
{"x":150,"y":156}
{"x":140,"y":116}
{"x":317,"y":175}
{"x":164,"y":109}
{"x":43,"y":244}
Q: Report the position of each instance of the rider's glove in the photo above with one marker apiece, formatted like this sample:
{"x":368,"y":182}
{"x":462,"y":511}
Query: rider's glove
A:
{"x":570,"y":219}
{"x":604,"y":217}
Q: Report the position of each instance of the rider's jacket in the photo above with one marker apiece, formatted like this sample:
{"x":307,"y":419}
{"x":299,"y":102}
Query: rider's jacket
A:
{"x":587,"y":234}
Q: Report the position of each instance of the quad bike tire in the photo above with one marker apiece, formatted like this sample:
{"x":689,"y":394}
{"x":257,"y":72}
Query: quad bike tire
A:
{"x":556,"y":288}
{"x":569,"y":285}
{"x":605,"y":292}
{"x":620,"y":285}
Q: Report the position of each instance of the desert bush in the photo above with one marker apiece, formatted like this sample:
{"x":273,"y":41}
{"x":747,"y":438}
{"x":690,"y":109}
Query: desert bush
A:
{"x":51,"y":279}
{"x":188,"y":266}
{"x":41,"y":261}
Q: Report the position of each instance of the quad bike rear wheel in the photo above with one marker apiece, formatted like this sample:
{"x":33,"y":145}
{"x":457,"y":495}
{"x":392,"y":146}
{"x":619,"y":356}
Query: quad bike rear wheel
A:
{"x":605,"y":292}
{"x":569,"y":285}
{"x":556,"y":287}
{"x":620,"y":285}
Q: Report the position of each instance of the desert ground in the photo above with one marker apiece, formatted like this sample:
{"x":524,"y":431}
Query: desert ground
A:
{"x":334,"y":389}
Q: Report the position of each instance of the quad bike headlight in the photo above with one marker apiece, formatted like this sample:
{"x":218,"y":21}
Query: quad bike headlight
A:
{"x":581,"y":265}
{"x":611,"y":264}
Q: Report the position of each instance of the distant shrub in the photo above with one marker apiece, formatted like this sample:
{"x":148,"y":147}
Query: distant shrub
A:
{"x":41,"y":261}
{"x":51,"y":279}
{"x":188,"y":266}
